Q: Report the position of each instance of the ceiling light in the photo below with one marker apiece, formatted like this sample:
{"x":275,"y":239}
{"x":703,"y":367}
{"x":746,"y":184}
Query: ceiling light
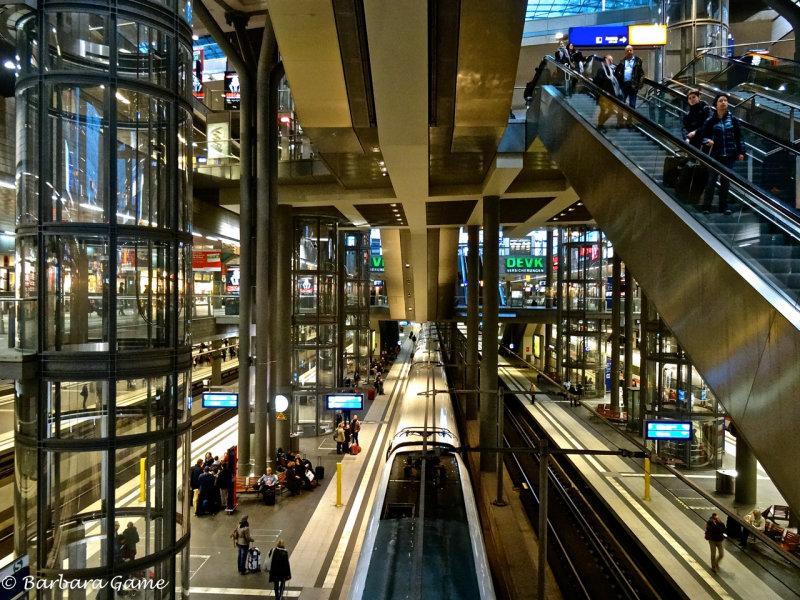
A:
{"x":407,"y":265}
{"x":393,"y":204}
{"x":376,"y":149}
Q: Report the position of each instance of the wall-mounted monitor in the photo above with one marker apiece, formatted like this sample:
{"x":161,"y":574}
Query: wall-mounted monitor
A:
{"x":220,"y":400}
{"x":669,"y":430}
{"x":344,"y":401}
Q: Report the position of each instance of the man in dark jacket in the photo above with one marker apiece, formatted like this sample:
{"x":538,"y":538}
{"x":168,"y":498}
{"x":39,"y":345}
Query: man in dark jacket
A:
{"x":715,"y":534}
{"x":630,"y":73}
{"x":698,"y":114}
{"x":721,"y":132}
{"x":279,"y":571}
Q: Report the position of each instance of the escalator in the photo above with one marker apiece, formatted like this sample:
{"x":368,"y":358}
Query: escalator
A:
{"x":766,"y":93}
{"x":728,"y":286}
{"x":772,"y":162}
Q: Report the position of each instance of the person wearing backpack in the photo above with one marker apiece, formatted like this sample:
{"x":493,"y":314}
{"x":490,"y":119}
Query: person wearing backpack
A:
{"x":241,"y":539}
{"x":279,"y":570}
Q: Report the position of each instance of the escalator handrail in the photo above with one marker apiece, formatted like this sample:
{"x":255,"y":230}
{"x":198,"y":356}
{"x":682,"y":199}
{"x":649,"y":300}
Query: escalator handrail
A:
{"x":756,"y":130}
{"x":734,"y":61}
{"x":765,"y":205}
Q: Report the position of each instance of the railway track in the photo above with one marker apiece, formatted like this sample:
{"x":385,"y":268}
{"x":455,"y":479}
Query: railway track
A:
{"x":591,"y":553}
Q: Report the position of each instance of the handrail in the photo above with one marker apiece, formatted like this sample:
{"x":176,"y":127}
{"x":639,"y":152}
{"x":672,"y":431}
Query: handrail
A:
{"x":768,"y":207}
{"x":757,"y":130}
{"x":734,"y":61}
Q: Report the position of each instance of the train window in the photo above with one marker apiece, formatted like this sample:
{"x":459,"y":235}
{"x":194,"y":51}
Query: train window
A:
{"x":399,"y":511}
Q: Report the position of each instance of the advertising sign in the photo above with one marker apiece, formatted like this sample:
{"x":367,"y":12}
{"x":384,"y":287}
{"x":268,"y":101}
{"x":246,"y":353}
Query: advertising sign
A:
{"x":232,"y":280}
{"x":233,"y":90}
{"x":210,"y":260}
{"x":218,"y":140}
{"x":197,"y":74}
{"x":344,"y":401}
{"x":306,"y":286}
{"x":376,"y":263}
{"x":669,"y":430}
{"x":524,"y":264}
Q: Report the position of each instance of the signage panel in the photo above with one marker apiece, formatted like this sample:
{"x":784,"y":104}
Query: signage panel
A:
{"x":647,"y":35}
{"x":206,"y":260}
{"x":344,"y":401}
{"x":669,"y":430}
{"x":524,"y":264}
{"x":198,"y":55}
{"x":611,"y":36}
{"x":220,"y":400}
{"x":233,"y":90}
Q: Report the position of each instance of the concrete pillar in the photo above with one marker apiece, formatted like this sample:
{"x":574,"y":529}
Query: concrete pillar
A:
{"x":283,"y":326}
{"x":616,"y":270}
{"x":216,"y":363}
{"x":644,"y":367}
{"x":489,"y":401}
{"x":264,"y":240}
{"x":548,"y":328}
{"x":747,"y":478}
{"x":277,"y":336}
{"x":472,"y":379}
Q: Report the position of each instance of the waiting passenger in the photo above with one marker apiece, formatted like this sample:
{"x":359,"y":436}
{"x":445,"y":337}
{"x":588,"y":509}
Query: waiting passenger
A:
{"x":757,"y":521}
{"x":293,"y":480}
{"x":130,"y":537}
{"x":340,"y":437}
{"x":355,"y":427}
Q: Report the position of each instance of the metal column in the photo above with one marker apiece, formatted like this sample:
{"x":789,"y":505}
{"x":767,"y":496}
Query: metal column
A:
{"x":488,"y":409}
{"x":747,"y":478}
{"x":616,"y":271}
{"x":472,"y":321}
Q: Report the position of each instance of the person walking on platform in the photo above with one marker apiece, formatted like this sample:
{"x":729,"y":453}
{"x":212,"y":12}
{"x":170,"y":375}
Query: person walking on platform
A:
{"x":280,"y":571}
{"x":715,"y":534}
{"x":355,"y":427}
{"x":241,"y":539}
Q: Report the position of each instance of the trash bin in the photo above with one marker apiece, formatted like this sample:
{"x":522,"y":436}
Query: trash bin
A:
{"x":726,"y":481}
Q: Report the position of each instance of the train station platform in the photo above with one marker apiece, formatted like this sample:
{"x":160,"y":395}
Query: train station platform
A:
{"x":671,"y":525}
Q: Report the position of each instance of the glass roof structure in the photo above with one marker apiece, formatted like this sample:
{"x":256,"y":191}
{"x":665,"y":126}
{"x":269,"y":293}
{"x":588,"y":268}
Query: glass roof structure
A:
{"x":548,"y":9}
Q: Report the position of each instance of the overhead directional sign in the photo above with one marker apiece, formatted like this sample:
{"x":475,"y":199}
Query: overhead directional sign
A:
{"x":599,"y":36}
{"x":220,"y":400}
{"x":616,"y":36}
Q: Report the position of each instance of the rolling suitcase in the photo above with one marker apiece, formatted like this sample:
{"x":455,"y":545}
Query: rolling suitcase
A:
{"x":672,"y":168}
{"x":371,"y":394}
{"x":691,"y":182}
{"x":355,"y":449}
{"x":269,"y":496}
{"x":319,"y":472}
{"x":254,"y":560}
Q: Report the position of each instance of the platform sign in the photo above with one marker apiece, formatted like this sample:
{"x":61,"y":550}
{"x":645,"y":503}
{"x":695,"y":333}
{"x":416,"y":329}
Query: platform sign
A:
{"x":220,"y":400}
{"x":13,"y":577}
{"x":669,"y":430}
{"x":344,"y":401}
{"x":608,"y":36}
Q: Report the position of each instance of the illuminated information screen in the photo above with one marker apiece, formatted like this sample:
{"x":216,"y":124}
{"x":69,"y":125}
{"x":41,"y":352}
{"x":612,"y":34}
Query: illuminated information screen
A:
{"x":345,"y":401}
{"x":669,"y":430}
{"x":220,"y":400}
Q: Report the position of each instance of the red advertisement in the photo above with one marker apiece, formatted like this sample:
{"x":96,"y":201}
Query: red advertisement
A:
{"x":206,"y":260}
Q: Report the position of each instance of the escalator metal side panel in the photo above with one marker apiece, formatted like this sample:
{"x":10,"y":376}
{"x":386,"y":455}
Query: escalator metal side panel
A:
{"x":746,"y":346}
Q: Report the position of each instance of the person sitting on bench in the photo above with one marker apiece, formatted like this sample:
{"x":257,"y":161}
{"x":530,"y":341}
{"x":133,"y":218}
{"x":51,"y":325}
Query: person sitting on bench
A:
{"x":267,"y":483}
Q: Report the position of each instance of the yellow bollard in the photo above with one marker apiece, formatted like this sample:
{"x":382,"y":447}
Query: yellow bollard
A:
{"x":647,"y":479}
{"x":338,"y":484}
{"x":142,"y":463}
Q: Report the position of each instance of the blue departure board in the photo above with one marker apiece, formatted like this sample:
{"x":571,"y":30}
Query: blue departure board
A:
{"x":345,"y":401}
{"x":220,"y":400}
{"x":669,"y":430}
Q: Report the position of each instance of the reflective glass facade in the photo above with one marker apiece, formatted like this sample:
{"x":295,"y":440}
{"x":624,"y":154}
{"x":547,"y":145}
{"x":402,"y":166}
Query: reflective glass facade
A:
{"x":104,"y":248}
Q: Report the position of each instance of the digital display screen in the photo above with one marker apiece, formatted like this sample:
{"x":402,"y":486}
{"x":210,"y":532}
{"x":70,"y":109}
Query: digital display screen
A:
{"x":220,"y":400}
{"x":669,"y":430}
{"x":344,"y":401}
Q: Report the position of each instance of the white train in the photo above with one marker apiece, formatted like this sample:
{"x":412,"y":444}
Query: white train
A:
{"x":424,"y":536}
